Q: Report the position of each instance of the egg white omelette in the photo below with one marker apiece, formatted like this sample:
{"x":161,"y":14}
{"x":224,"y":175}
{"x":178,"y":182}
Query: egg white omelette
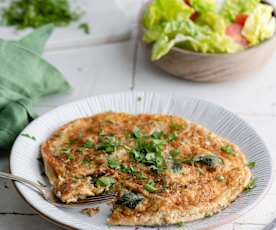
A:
{"x":164,"y":169}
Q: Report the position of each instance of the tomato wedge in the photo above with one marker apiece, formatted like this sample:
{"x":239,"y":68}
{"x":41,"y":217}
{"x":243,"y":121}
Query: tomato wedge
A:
{"x":234,"y":31}
{"x":241,"y":19}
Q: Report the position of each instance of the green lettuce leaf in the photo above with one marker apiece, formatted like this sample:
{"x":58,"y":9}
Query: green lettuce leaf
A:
{"x":213,"y":20}
{"x":232,"y":8}
{"x":164,"y":45}
{"x":190,"y":36}
{"x":260,"y":25}
{"x":211,"y":43}
{"x":203,"y":6}
{"x":166,"y":10}
{"x":172,"y":28}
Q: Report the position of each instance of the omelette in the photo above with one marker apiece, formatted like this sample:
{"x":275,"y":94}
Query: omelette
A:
{"x":164,"y":169}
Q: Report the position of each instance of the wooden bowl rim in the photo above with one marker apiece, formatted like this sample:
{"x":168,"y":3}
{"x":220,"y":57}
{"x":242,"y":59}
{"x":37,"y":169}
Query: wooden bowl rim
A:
{"x":190,"y":52}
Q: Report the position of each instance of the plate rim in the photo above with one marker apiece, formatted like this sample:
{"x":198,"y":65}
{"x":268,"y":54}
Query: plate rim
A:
{"x":224,"y":221}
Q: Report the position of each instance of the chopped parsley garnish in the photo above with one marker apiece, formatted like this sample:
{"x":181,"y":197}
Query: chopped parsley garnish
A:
{"x":228,"y":149}
{"x":114,"y":164}
{"x":36,"y":13}
{"x":130,"y":200}
{"x":105,"y":181}
{"x":149,"y":158}
{"x":71,"y":157}
{"x":252,"y":164}
{"x":157,"y":134}
{"x":174,"y":153}
{"x":142,"y":176}
{"x":149,"y":151}
{"x":66,"y":150}
{"x":129,"y":170}
{"x":28,"y":136}
{"x":88,"y":144}
{"x":210,"y":160}
{"x":150,"y":187}
{"x":136,"y":132}
{"x":85,"y":27}
{"x":252,"y":184}
{"x":220,"y":178}
{"x":172,"y":137}
{"x":107,"y":144}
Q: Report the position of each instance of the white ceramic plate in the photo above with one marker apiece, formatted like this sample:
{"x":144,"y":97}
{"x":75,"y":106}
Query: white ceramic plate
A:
{"x":23,"y":161}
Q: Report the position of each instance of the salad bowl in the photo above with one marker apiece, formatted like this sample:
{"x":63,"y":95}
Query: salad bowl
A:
{"x":212,"y":67}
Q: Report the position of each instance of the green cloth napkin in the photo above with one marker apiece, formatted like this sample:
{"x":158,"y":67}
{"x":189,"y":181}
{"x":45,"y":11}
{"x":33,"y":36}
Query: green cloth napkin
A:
{"x":24,"y":77}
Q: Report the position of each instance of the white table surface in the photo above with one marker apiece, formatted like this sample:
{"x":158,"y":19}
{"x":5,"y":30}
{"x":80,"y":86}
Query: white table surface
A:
{"x":120,"y":66}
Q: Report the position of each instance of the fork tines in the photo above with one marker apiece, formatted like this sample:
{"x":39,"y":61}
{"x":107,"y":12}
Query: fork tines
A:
{"x":98,"y":199}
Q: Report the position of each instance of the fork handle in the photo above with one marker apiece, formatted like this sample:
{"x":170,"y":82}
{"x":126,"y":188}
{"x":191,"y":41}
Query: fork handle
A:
{"x":38,"y":187}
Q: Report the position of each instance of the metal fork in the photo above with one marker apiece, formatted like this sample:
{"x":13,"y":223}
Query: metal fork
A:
{"x":48,"y":194}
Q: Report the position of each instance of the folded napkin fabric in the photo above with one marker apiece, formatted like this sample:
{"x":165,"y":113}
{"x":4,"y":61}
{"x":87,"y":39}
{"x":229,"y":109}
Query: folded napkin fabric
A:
{"x":24,"y":77}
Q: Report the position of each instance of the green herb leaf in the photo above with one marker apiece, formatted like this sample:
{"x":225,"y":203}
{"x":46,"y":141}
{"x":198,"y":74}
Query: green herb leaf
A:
{"x":24,"y":13}
{"x":159,"y":142}
{"x":252,"y":184}
{"x":136,"y":155}
{"x":88,"y":144}
{"x":172,"y":137}
{"x":85,"y":27}
{"x":129,"y":170}
{"x":65,"y":150}
{"x":130,"y":200}
{"x":157,"y":134}
{"x":252,"y":164}
{"x":114,"y":164}
{"x":107,"y":144}
{"x":150,"y":186}
{"x":174,"y":153}
{"x":228,"y":149}
{"x":136,"y":132}
{"x":28,"y":136}
{"x":71,"y":157}
{"x":142,"y":176}
{"x":149,"y":151}
{"x":105,"y":181}
{"x":150,"y":158}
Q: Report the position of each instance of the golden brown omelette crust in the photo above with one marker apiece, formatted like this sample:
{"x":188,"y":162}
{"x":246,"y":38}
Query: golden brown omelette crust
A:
{"x":196,"y":190}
